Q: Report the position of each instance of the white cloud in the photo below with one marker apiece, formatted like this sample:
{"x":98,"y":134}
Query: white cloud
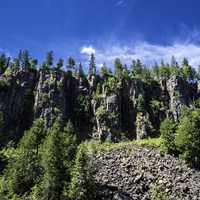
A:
{"x":148,"y":53}
{"x":87,"y":50}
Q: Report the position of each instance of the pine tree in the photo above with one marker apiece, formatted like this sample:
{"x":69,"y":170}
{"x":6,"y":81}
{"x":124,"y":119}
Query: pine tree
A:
{"x":15,"y":63}
{"x":173,"y":62}
{"x":52,"y":162}
{"x":187,"y":136}
{"x":19,"y":57}
{"x":24,"y":171}
{"x":33,"y":63}
{"x":44,"y":66}
{"x":59,"y":64}
{"x":187,"y":71}
{"x":137,"y":68}
{"x":118,"y":68}
{"x":3,"y":61}
{"x":167,"y":131}
{"x":156,"y":71}
{"x":92,"y":66}
{"x":81,"y":71}
{"x":105,"y":72}
{"x":25,"y":62}
{"x":165,"y":71}
{"x":57,"y":155}
{"x":71,"y":63}
{"x":126,"y":72}
{"x":3,"y":134}
{"x":49,"y":59}
{"x":146,"y":73}
{"x":140,"y":103}
{"x":82,"y":187}
{"x":174,"y":67}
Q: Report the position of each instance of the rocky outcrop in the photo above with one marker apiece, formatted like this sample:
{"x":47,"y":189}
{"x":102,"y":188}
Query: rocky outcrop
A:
{"x":17,"y":100}
{"x":139,"y":172}
{"x":117,"y":109}
{"x":107,"y":116}
{"x":144,"y":127}
{"x":181,"y":93}
{"x":50,"y":97}
{"x":27,"y":94}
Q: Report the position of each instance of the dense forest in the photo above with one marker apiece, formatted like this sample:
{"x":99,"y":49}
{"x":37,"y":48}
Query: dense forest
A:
{"x":55,"y":114}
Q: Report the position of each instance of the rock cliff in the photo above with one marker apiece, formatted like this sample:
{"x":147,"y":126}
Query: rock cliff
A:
{"x":114,"y":109}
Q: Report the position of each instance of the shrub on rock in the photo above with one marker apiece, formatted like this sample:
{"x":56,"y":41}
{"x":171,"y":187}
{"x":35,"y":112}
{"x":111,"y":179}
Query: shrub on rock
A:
{"x":167,"y":130}
{"x":187,"y":137}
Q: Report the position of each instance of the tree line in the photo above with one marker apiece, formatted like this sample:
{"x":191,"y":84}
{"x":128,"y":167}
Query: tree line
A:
{"x":136,"y":69}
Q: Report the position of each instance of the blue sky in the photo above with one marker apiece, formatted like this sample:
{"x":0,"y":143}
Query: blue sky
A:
{"x":147,"y":29}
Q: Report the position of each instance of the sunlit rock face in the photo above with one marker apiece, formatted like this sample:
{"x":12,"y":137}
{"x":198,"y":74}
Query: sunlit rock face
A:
{"x":97,"y":109}
{"x":181,"y":93}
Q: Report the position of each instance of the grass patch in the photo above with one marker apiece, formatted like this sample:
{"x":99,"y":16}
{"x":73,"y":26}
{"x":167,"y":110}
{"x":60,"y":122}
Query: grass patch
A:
{"x":95,"y":145}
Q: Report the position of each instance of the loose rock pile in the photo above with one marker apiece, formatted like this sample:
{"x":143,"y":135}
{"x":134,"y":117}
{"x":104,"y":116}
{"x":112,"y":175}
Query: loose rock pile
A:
{"x":139,"y":172}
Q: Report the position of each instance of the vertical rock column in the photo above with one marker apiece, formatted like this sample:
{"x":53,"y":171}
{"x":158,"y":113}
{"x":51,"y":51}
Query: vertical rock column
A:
{"x":50,"y":98}
{"x":107,"y":116}
{"x":17,"y":99}
{"x":181,"y":93}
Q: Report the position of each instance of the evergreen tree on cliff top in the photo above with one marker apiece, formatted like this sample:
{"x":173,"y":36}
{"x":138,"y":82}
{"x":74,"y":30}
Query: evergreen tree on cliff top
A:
{"x":92,"y":66}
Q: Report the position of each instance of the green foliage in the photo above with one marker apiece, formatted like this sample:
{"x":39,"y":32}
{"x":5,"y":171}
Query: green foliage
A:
{"x":8,"y":72}
{"x":24,"y":170}
{"x":105,"y":71}
{"x":57,"y":154}
{"x":187,"y":71}
{"x":59,"y":64}
{"x":24,"y":59}
{"x":140,"y":71}
{"x":15,"y":64}
{"x":82,"y":186}
{"x":155,"y":71}
{"x":197,"y":102}
{"x":187,"y":136}
{"x":146,"y":76}
{"x":82,"y":104}
{"x":52,"y":163}
{"x":118,"y":68}
{"x":155,"y":142}
{"x":3,"y":135}
{"x":101,"y":112}
{"x":165,"y":71}
{"x":140,"y":103}
{"x":157,"y":193}
{"x":126,"y":72}
{"x":110,"y":84}
{"x":156,"y":105}
{"x":71,"y":63}
{"x":44,"y":66}
{"x":33,"y":63}
{"x":69,"y":142}
{"x":137,"y":68}
{"x":49,"y":59}
{"x":167,"y":131}
{"x":92,"y":66}
{"x":3,"y":63}
{"x":3,"y":84}
{"x":81,"y":71}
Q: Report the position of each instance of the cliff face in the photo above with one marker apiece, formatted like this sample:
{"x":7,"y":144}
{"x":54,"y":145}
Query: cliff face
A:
{"x":17,"y":100}
{"x":180,"y":94}
{"x":127,"y":109}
